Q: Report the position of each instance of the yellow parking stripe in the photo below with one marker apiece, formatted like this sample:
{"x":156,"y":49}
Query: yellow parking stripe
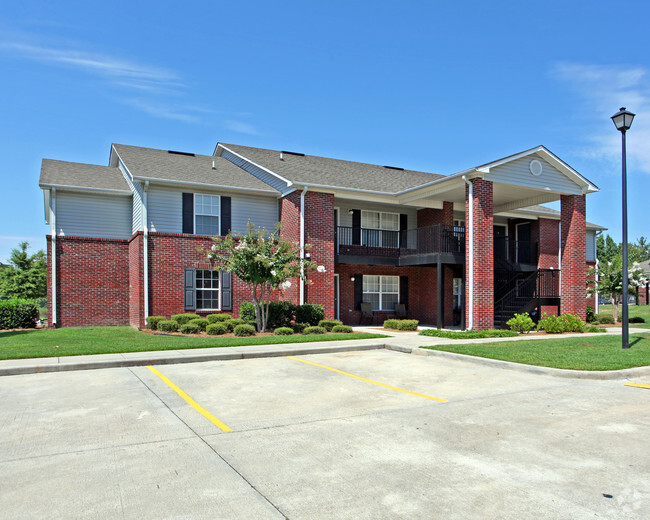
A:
{"x":192,"y":402}
{"x":638,"y":385}
{"x":368,"y":380}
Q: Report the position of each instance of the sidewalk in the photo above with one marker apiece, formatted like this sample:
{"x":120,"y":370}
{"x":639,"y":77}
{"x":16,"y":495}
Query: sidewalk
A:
{"x":405,"y":342}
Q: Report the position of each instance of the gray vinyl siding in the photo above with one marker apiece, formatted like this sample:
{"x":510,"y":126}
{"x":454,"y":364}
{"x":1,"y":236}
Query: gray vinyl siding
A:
{"x":93,"y":215}
{"x":591,"y":245}
{"x":137,"y":210}
{"x":258,"y":172}
{"x":518,"y":173}
{"x":165,"y":207}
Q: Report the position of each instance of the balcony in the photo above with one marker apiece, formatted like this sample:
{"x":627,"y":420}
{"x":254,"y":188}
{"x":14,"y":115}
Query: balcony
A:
{"x":420,"y":246}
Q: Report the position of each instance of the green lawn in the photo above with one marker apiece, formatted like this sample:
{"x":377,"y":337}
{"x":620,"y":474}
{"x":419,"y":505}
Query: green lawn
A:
{"x":634,"y":310}
{"x":109,"y":340}
{"x":588,"y":353}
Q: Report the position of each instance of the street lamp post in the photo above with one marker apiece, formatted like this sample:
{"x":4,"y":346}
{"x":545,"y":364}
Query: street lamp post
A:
{"x":623,"y":121}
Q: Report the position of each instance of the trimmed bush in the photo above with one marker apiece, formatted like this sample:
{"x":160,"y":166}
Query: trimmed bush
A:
{"x":328,"y":324}
{"x":592,"y":328}
{"x":216,"y":329}
{"x":605,"y":319}
{"x":215,"y":318}
{"x":342,"y":329}
{"x":310,"y":313}
{"x":314,"y":330}
{"x":572,"y":323}
{"x":407,"y":325}
{"x":152,"y":322}
{"x":591,"y":315}
{"x":636,"y":319}
{"x":201,"y":323}
{"x":521,"y":323}
{"x":190,"y":328}
{"x":299,"y":327}
{"x":184,"y":318}
{"x":244,"y":329}
{"x":283,"y":331}
{"x":391,"y":324}
{"x":18,"y":313}
{"x":168,"y":326}
{"x":281,"y":313}
{"x":232,"y":323}
{"x":551,"y":324}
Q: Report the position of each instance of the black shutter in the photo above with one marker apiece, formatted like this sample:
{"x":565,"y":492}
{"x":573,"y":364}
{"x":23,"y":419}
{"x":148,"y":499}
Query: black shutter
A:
{"x":404,"y":290}
{"x":226,"y":291}
{"x":358,"y":290}
{"x":403,"y":226}
{"x":190,"y":289}
{"x":225,"y":215}
{"x":356,"y":227}
{"x":188,"y":213}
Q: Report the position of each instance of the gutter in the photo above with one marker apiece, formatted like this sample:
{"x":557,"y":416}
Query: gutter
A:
{"x":302,"y":245}
{"x":145,"y":215}
{"x":53,"y":233}
{"x":470,"y":306}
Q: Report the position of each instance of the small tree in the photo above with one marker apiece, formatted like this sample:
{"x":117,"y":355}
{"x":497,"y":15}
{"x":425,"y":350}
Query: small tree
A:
{"x":609,"y":280}
{"x":263,"y":262}
{"x":26,"y":275}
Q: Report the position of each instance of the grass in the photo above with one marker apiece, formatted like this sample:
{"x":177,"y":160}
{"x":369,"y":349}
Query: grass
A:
{"x":588,"y":353}
{"x":469,"y":334}
{"x":111,"y":340}
{"x":633,"y":310}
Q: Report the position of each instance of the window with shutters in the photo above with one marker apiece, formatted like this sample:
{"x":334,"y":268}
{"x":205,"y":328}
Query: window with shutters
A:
{"x":379,"y":229}
{"x":208,"y":290}
{"x":382,"y":292}
{"x":207,"y":211}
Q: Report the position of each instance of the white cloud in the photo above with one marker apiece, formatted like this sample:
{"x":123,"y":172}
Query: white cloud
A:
{"x":604,"y":89}
{"x":242,"y":128}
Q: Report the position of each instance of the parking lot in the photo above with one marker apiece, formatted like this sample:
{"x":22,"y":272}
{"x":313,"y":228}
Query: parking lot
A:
{"x":375,"y":434}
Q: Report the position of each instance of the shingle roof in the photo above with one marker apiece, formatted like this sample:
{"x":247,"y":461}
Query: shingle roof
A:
{"x":334,"y":173}
{"x":150,"y":163}
{"x":78,"y":175}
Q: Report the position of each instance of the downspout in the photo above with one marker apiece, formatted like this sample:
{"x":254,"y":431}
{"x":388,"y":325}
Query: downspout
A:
{"x":559,"y":261}
{"x":145,"y":214}
{"x":302,"y":245}
{"x":596,"y":305}
{"x":470,"y":304}
{"x":53,"y":233}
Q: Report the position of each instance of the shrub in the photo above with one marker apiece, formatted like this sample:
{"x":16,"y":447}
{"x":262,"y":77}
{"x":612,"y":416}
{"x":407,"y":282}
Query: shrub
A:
{"x":345,"y":329}
{"x":314,"y":330}
{"x":328,"y":324}
{"x":310,"y":313}
{"x":182,"y":319}
{"x":215,"y":318}
{"x":636,"y":319}
{"x":283,"y":331}
{"x":521,"y":323}
{"x":407,"y":325}
{"x":232,"y":323}
{"x":244,"y":329}
{"x":202,"y":323}
{"x":592,"y":328}
{"x":605,"y":319}
{"x":281,"y":313}
{"x":190,"y":328}
{"x":168,"y":326}
{"x":551,"y":324}
{"x":299,"y":327}
{"x":18,"y":313}
{"x":216,"y":329}
{"x":572,"y":323}
{"x":152,"y":322}
{"x":391,"y":324}
{"x":591,"y":315}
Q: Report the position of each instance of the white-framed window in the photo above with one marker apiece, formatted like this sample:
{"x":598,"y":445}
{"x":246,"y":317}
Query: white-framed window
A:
{"x":458,"y":293}
{"x":207,"y":211}
{"x":379,"y":229}
{"x":381,"y":292}
{"x":208,"y":290}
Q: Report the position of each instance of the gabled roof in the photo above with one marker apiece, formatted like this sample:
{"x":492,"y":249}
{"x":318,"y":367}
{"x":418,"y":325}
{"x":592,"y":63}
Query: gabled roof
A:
{"x":63,"y":174}
{"x":323,"y":172}
{"x":183,"y":168}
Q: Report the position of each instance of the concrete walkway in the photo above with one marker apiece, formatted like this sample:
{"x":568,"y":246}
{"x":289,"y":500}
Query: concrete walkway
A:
{"x":406,"y":342}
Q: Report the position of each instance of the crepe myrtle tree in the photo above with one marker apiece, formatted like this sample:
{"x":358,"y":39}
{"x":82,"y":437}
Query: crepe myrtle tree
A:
{"x":264,"y":262}
{"x":609,"y":280}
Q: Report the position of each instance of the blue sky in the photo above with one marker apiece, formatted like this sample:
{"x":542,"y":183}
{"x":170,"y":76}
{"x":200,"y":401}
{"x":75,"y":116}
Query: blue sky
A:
{"x":426,"y":85}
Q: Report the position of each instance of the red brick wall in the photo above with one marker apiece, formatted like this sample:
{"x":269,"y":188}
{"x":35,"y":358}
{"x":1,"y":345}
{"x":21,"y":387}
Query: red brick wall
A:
{"x":574,"y":254}
{"x":136,"y":281}
{"x":432,"y":217}
{"x":483,"y":288}
{"x":548,"y":243}
{"x":92,"y":280}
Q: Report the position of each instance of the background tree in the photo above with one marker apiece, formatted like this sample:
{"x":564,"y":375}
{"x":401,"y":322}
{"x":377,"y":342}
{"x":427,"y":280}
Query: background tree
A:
{"x":610,"y":281}
{"x":26,"y":275}
{"x":263,"y":262}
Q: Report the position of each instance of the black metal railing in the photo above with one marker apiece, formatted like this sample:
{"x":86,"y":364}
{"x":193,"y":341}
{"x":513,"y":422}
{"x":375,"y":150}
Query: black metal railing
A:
{"x":516,"y":251}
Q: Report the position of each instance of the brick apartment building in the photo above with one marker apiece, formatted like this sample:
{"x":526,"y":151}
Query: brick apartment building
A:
{"x":468,"y":249}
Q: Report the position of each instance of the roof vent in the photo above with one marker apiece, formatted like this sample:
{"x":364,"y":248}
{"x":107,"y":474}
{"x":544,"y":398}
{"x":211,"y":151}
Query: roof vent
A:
{"x":394,"y":168}
{"x":181,"y":153}
{"x":293,"y":153}
{"x":214,"y":165}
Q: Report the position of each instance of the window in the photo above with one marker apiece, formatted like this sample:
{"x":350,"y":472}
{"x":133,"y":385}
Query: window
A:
{"x":380,"y":229}
{"x":382,"y":292}
{"x":207,"y":290}
{"x":458,"y":293}
{"x":207,"y":209}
